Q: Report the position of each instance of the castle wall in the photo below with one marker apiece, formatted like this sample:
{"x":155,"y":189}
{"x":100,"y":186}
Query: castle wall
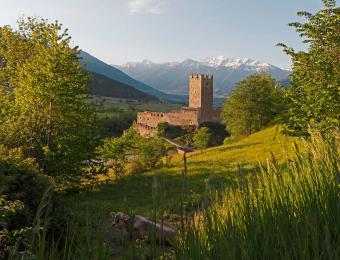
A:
{"x":200,"y":108}
{"x":151,"y":118}
{"x":185,"y":117}
{"x":211,"y":115}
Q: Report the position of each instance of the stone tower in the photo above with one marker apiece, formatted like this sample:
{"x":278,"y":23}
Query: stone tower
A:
{"x":201,"y":92}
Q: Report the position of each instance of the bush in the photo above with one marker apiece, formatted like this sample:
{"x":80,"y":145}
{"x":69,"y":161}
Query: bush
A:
{"x":202,"y":138}
{"x":186,"y":139}
{"x":228,"y":140}
{"x":218,"y":132}
{"x":150,"y":152}
{"x":22,"y":188}
{"x":171,"y":131}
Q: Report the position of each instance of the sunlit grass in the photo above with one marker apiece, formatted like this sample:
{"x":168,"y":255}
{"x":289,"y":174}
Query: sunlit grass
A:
{"x":289,"y":211}
{"x":221,"y":165}
{"x":256,"y":198}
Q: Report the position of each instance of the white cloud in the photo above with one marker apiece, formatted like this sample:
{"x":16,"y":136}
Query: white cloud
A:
{"x":147,"y":6}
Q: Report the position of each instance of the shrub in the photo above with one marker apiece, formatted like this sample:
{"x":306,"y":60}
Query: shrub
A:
{"x":218,"y":132}
{"x":186,"y":139}
{"x":164,"y":129}
{"x":202,"y":138}
{"x":22,"y":188}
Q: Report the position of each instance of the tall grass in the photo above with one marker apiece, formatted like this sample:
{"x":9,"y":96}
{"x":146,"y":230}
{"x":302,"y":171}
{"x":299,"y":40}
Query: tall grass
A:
{"x":284,"y":211}
{"x":289,"y":211}
{"x":75,"y":241}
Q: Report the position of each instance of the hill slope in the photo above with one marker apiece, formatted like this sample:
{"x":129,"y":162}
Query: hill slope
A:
{"x":95,"y":65}
{"x":172,"y":77}
{"x":219,"y":166}
{"x":101,"y":85}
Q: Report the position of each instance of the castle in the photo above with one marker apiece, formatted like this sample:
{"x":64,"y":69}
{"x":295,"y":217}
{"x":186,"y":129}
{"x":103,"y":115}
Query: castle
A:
{"x":200,"y":109}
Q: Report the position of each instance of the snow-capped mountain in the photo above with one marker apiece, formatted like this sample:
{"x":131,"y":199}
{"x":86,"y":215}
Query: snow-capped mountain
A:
{"x":172,"y":77}
{"x":221,"y":61}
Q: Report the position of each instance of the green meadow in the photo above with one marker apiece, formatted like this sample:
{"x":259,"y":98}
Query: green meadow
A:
{"x":219,"y":166}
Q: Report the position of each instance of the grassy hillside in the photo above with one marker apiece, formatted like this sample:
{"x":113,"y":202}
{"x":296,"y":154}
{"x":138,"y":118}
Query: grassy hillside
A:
{"x":216,"y":167}
{"x":291,"y":208}
{"x":289,"y":211}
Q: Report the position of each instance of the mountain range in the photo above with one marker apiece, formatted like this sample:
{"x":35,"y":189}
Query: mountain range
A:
{"x":172,"y":77}
{"x":97,"y":66}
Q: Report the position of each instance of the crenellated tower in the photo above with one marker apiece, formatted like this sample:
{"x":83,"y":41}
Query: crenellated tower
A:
{"x":201,"y":91}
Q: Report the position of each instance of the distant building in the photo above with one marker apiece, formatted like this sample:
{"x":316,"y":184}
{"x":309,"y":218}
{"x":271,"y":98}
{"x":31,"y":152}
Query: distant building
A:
{"x":200,"y":110}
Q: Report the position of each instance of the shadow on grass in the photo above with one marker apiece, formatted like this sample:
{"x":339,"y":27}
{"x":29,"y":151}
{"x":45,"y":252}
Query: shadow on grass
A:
{"x":140,"y":194}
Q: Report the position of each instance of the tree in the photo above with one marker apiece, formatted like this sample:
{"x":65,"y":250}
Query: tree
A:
{"x":48,"y":113}
{"x":146,"y":152}
{"x":252,"y":105}
{"x":202,"y":138}
{"x":218,"y":132}
{"x":150,"y":151}
{"x":313,"y":97}
{"x":116,"y":150}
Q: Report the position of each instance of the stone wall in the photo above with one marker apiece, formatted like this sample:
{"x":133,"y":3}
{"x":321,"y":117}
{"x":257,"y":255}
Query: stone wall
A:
{"x":151,"y":118}
{"x":200,"y":108}
{"x":148,"y":121}
{"x":210,"y":115}
{"x":185,"y":117}
{"x":145,"y":130}
{"x":201,"y":91}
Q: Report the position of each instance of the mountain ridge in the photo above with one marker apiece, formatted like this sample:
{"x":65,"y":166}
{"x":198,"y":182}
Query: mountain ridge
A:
{"x":101,"y":85}
{"x":172,"y":77}
{"x":94,"y":64}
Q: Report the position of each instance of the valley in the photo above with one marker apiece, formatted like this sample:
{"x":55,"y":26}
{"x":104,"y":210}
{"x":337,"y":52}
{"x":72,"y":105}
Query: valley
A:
{"x":215,"y":158}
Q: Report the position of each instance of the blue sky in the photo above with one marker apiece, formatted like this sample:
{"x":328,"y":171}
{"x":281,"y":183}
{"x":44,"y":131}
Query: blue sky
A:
{"x":117,"y":31}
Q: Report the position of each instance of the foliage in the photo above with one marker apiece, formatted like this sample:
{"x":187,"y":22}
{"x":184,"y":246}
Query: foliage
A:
{"x":186,"y":139}
{"x":253,"y":104}
{"x":44,"y":88}
{"x":218,"y":132}
{"x":313,"y":97}
{"x":113,"y":123}
{"x":171,"y":131}
{"x":150,"y":151}
{"x":132,"y":150}
{"x":285,"y":211}
{"x":22,"y":187}
{"x":202,"y":138}
{"x":217,"y":167}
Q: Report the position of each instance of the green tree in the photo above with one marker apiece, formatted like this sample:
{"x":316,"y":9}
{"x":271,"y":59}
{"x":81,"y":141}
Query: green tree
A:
{"x":313,"y":97}
{"x":116,"y":149}
{"x":252,"y":105}
{"x":202,"y":138}
{"x":150,"y":151}
{"x":48,"y":114}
